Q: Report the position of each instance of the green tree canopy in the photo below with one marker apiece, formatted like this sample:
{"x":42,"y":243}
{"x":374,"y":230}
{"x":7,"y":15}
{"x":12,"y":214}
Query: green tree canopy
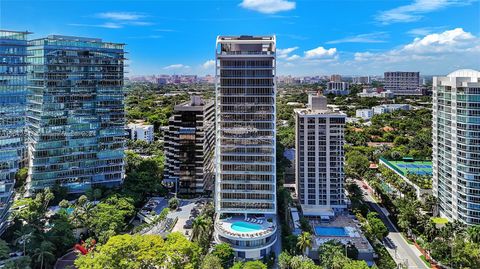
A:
{"x":225,"y":253}
{"x":143,"y":252}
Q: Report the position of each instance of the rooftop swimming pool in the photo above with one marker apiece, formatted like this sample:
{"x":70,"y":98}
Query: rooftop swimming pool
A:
{"x":245,"y":227}
{"x":330,"y":231}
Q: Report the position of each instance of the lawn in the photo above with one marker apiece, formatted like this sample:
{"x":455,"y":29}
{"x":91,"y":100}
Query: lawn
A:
{"x":425,"y":260}
{"x":440,"y":220}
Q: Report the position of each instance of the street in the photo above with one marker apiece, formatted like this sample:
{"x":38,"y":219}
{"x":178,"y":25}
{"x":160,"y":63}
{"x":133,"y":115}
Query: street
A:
{"x":397,"y":246}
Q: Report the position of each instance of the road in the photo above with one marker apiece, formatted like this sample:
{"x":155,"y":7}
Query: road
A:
{"x":397,"y":246}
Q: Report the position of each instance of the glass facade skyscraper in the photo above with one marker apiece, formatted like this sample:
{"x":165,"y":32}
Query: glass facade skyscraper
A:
{"x":245,"y":165}
{"x":75,"y":113}
{"x":13,"y":93}
{"x":456,"y":145}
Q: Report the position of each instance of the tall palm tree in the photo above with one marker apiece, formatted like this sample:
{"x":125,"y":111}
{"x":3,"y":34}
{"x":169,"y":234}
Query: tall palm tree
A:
{"x":430,"y":230}
{"x":304,"y":242}
{"x":199,"y":229}
{"x":44,"y":253}
{"x":23,"y":236}
{"x":474,"y":233}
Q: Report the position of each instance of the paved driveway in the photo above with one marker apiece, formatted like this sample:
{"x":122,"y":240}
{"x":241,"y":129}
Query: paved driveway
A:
{"x":399,"y":249}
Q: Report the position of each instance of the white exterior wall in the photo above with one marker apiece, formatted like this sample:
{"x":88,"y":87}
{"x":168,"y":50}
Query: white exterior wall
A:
{"x":245,"y":157}
{"x":319,"y":158}
{"x":365,"y":114}
{"x":456,"y":145}
{"x":141,"y":132}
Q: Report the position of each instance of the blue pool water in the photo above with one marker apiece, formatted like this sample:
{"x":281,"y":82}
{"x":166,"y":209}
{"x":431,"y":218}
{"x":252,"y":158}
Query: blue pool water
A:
{"x":330,"y":231}
{"x":245,"y":227}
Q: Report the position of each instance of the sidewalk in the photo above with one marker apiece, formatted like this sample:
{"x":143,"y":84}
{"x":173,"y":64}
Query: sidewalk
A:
{"x":400,"y":250}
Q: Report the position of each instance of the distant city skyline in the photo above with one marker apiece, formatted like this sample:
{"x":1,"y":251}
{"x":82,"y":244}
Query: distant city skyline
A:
{"x":313,"y":37}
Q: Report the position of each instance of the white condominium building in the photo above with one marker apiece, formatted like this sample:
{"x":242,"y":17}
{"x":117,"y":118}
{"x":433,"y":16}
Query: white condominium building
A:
{"x":337,"y":88}
{"x":245,"y":180}
{"x":456,"y":145}
{"x":140,"y":131}
{"x":319,"y":156}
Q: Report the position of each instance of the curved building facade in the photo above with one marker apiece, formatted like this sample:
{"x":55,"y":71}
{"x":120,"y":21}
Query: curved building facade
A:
{"x":245,"y":143}
{"x":456,"y":145}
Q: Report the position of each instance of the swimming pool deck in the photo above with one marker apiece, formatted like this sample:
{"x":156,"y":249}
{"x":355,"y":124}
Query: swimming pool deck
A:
{"x":225,"y":226}
{"x":352,"y":227}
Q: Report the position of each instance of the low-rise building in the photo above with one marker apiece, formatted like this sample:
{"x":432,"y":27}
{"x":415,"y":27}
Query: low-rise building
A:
{"x":388,"y":108}
{"x":361,"y":80}
{"x":365,"y":114}
{"x":140,"y":131}
{"x":337,"y":88}
{"x":374,"y":92}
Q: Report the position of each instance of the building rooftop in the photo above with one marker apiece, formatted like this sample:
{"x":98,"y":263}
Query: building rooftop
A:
{"x":14,"y":35}
{"x":465,"y":73}
{"x":195,"y":103}
{"x":327,"y":111}
{"x":246,"y":38}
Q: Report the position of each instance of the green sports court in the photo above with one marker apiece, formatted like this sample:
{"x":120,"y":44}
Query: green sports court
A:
{"x":413,"y":167}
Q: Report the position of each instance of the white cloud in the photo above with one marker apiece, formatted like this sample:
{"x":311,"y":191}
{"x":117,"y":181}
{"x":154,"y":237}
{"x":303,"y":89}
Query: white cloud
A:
{"x":413,"y":12}
{"x":283,"y":53}
{"x":293,"y":57}
{"x":378,"y":37}
{"x":109,"y":25}
{"x":115,"y":20}
{"x":176,"y":66}
{"x":268,"y":6}
{"x":320,"y":52}
{"x":445,"y":45}
{"x":448,"y":41}
{"x":121,"y":16}
{"x":423,"y":31}
{"x":208,"y":64}
{"x":432,"y":54}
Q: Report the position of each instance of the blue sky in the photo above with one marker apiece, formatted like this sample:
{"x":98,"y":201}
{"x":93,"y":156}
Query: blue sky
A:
{"x":354,"y":37}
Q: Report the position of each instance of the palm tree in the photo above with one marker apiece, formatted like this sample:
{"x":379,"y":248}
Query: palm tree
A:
{"x":474,"y":233}
{"x":44,"y":253}
{"x":23,"y":236}
{"x":430,"y":230}
{"x":304,"y":242}
{"x":199,"y":228}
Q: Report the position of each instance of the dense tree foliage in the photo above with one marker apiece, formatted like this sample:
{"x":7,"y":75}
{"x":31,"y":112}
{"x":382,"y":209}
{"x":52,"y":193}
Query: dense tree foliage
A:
{"x":143,"y":251}
{"x":109,"y":217}
{"x":225,"y":253}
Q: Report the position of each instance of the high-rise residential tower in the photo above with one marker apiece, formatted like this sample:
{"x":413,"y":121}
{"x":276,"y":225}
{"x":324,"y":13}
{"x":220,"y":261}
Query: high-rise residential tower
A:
{"x":245,"y":199}
{"x":75,"y":114}
{"x":13,"y":103}
{"x":189,"y":147}
{"x":456,"y":145}
{"x":319,"y":156}
{"x":403,"y":83}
